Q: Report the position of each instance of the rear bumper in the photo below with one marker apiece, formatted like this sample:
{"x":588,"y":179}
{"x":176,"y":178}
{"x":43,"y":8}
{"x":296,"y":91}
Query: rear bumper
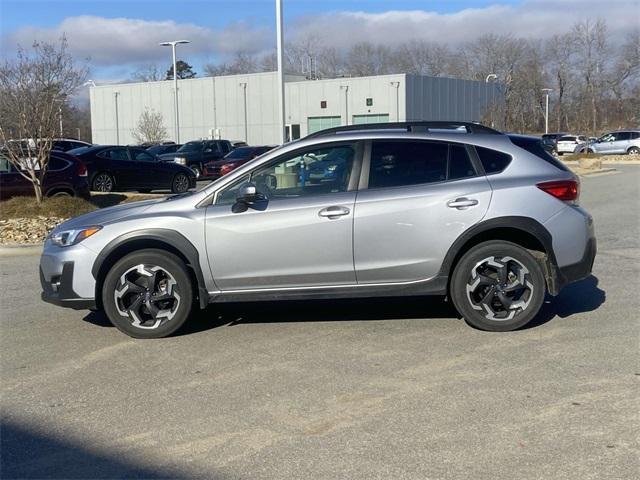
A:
{"x":561,"y":276}
{"x":58,"y":290}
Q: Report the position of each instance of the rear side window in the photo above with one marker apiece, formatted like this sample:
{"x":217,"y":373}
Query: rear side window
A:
{"x":395,"y":164}
{"x":56,"y":163}
{"x":534,"y":146}
{"x":635,"y":135}
{"x":492,"y":160}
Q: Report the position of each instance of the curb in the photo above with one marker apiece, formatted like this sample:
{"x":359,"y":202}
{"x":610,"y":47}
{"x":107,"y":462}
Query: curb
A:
{"x":20,"y":249}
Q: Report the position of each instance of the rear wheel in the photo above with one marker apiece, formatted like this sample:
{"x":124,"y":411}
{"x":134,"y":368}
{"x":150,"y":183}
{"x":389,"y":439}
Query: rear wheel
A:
{"x":102,"y":182}
{"x":148,"y":294}
{"x":180,"y":183}
{"x":634,"y":151}
{"x":498,"y":286}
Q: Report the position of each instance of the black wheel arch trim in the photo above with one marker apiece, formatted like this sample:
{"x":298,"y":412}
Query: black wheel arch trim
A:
{"x":171,"y":238}
{"x":524,"y":224}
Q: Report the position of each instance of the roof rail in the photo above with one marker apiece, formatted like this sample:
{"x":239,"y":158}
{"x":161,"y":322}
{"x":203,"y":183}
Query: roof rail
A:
{"x":417,"y":126}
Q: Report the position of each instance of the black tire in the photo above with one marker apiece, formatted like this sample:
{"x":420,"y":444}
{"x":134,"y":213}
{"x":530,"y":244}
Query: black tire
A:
{"x":61,"y":193}
{"x":168,"y":278}
{"x":634,"y":151}
{"x":483,"y":307}
{"x":197,"y":171}
{"x":102,"y":182}
{"x":180,"y":183}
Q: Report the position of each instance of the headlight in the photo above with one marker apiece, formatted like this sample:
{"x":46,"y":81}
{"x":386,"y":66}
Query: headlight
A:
{"x":332,"y":168}
{"x":180,"y":160}
{"x":67,"y":238}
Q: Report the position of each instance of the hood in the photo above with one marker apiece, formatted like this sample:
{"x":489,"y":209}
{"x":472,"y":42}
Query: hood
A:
{"x":107,"y":215}
{"x":172,"y":155}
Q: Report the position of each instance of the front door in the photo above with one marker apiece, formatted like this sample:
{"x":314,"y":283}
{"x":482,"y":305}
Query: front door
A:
{"x":421,"y":196}
{"x":301,"y":235}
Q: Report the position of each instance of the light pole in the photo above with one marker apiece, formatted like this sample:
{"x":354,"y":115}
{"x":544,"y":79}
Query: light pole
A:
{"x":546,"y":110}
{"x":243,"y":85}
{"x":346,"y":103}
{"x":397,"y":87}
{"x":115,"y":96}
{"x":60,"y":118}
{"x":173,"y":44}
{"x":280,"y":56}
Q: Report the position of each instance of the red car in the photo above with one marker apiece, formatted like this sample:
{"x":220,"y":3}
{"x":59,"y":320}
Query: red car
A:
{"x":233,"y":160}
{"x":66,"y":175}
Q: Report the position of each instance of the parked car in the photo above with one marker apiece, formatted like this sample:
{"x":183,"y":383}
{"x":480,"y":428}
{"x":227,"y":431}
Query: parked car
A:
{"x":620,"y":142}
{"x":113,"y":167}
{"x":198,"y":152}
{"x":66,"y":175}
{"x":570,"y":143}
{"x":488,"y":219}
{"x":549,"y":141}
{"x":163,"y":148}
{"x":233,"y":160}
{"x":66,"y":144}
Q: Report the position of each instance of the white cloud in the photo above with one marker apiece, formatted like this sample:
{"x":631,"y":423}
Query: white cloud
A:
{"x":532,"y":19}
{"x":117,"y":41}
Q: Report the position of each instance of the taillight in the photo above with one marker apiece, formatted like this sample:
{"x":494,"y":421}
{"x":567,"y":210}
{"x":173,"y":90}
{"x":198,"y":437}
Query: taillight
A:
{"x":82,"y":169}
{"x":565,"y":190}
{"x":226,"y":168}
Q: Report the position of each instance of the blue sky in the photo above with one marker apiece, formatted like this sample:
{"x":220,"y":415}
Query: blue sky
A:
{"x":120,"y":36}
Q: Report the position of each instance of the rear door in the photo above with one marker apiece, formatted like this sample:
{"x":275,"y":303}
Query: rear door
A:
{"x":418,"y":198}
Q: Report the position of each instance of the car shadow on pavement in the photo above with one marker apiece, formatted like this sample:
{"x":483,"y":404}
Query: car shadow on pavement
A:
{"x":26,"y":452}
{"x":579,"y":297}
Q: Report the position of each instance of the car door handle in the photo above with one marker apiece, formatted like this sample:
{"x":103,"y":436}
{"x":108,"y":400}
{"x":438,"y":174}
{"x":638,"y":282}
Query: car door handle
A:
{"x":334,"y":212}
{"x":461,"y":203}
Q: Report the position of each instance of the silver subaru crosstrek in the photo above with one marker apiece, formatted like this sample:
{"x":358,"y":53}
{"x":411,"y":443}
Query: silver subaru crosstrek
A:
{"x":416,"y":208}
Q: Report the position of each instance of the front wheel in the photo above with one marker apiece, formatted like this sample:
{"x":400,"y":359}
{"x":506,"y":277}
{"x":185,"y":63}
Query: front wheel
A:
{"x":148,"y":294}
{"x":498,"y":286}
{"x":196,"y":171}
{"x":180,"y":183}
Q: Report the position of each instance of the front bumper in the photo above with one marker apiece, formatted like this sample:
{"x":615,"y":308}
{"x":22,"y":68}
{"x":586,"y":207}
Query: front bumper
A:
{"x":58,"y":290}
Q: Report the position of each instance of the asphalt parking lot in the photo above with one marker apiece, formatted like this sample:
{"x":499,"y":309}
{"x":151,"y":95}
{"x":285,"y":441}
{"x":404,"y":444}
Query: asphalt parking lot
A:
{"x":352,"y":389}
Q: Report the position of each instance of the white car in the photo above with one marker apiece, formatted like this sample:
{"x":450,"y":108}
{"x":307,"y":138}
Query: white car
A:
{"x":570,"y":143}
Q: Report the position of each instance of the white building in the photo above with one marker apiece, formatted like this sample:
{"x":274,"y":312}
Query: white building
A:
{"x":245,"y":107}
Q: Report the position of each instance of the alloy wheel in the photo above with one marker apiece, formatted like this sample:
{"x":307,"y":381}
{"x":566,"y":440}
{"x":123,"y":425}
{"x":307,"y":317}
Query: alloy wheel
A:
{"x":181,"y":184}
{"x":103,"y":183}
{"x":500,"y":287}
{"x":148,"y":295}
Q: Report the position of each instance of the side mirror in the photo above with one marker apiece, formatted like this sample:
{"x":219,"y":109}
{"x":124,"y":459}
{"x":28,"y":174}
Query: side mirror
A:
{"x":248,"y":194}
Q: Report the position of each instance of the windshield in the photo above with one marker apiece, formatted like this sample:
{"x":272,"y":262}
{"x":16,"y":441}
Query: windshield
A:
{"x":241,"y":152}
{"x":191,"y":147}
{"x":158,"y":149}
{"x":80,"y":150}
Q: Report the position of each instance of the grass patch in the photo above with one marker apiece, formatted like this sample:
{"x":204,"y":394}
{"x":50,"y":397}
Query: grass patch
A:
{"x":63,"y":207}
{"x":577,"y":156}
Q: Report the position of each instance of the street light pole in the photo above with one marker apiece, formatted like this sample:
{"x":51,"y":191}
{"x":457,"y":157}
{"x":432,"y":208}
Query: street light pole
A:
{"x":546,"y":110}
{"x":115,"y":95}
{"x":173,"y":44}
{"x":243,"y":85}
{"x":60,"y":118}
{"x":280,"y":56}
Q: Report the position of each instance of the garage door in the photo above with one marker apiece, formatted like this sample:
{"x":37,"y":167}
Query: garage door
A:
{"x":377,"y":118}
{"x":315,"y":124}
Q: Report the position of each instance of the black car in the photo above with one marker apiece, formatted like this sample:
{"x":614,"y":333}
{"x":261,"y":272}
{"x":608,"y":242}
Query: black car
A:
{"x":163,"y":148}
{"x":66,"y":176}
{"x":121,"y":168}
{"x":198,"y":152}
{"x":550,"y":141}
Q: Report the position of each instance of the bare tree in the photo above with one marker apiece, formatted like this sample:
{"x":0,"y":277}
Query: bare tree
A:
{"x":148,"y":73}
{"x":150,"y":128}
{"x":33,"y":89}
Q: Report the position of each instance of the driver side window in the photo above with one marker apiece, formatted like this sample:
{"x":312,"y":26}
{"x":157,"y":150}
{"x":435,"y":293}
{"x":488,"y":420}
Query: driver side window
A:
{"x":315,"y":171}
